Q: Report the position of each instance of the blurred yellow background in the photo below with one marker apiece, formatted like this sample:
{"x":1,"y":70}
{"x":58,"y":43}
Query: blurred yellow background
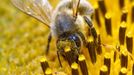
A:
{"x":23,"y":39}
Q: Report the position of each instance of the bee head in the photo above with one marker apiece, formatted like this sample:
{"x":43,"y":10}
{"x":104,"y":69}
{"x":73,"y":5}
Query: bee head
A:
{"x":71,"y":42}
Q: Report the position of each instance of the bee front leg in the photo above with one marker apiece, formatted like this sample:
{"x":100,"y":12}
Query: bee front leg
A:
{"x":48,"y":43}
{"x":92,"y":45}
{"x":58,"y":54}
{"x":93,"y":31}
{"x":83,"y":37}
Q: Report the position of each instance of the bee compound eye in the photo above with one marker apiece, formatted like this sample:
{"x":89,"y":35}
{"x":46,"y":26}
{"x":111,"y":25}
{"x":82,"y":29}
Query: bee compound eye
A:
{"x":76,"y":40}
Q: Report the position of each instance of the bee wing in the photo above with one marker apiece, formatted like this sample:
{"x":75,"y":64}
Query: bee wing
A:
{"x":39,"y":9}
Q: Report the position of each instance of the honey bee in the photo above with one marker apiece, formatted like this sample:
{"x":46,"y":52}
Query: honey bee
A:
{"x":65,"y":22}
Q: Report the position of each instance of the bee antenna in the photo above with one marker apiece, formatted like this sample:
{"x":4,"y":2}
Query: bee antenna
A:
{"x":75,"y":10}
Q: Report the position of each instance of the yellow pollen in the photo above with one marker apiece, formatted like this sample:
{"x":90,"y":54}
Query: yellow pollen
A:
{"x":43,"y":59}
{"x":104,"y":68}
{"x":48,"y":71}
{"x":123,"y":70}
{"x":81,"y":57}
{"x":90,"y":39}
{"x":123,"y":24}
{"x":107,"y":55}
{"x":108,"y":15}
{"x":67,"y":48}
{"x":74,"y":65}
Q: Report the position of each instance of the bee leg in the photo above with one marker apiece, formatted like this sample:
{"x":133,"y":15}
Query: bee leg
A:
{"x":92,"y":44}
{"x":83,"y":37}
{"x":93,"y":31}
{"x":58,"y":54}
{"x":48,"y":43}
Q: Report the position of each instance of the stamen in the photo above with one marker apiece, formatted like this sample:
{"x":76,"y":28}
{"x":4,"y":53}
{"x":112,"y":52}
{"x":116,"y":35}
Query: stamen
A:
{"x":124,"y":15}
{"x":102,"y":6}
{"x":48,"y":71}
{"x":122,"y":31}
{"x":129,"y":43}
{"x":104,"y":70}
{"x":44,"y":65}
{"x":108,"y":24}
{"x":123,"y":71}
{"x":91,"y":50}
{"x":83,"y":65}
{"x":107,"y":61}
{"x":121,"y":3}
{"x":124,"y":58}
{"x":97,"y":16}
{"x":115,"y":55}
{"x":74,"y":68}
{"x":71,"y":56}
{"x":99,"y":47}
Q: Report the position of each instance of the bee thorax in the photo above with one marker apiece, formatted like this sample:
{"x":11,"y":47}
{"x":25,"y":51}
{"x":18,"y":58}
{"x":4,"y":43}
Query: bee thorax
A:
{"x":64,"y":23}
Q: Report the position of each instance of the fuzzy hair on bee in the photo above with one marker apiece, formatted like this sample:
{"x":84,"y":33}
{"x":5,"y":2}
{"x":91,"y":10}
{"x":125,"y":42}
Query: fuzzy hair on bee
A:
{"x":65,"y":13}
{"x":65,"y":22}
